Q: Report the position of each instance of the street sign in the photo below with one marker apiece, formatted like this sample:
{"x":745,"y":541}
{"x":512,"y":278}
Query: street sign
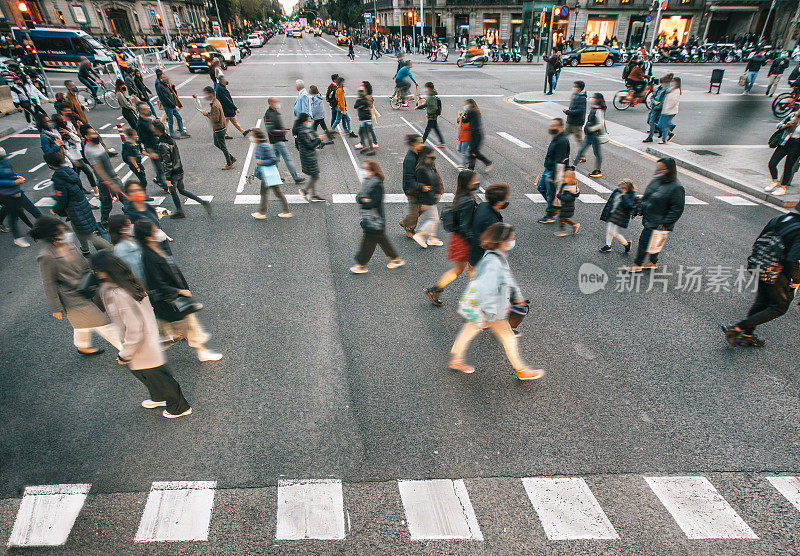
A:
{"x":664,"y":4}
{"x":367,"y":17}
{"x":648,"y":19}
{"x":564,"y":11}
{"x":215,"y":30}
{"x":177,"y":20}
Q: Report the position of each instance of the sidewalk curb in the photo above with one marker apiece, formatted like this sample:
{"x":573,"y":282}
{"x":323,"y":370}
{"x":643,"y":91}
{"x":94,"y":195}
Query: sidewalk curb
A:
{"x":723,"y":179}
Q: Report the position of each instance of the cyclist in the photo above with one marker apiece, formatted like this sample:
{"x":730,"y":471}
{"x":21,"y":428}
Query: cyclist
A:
{"x":87,"y":75}
{"x":636,"y":79}
{"x":402,"y":81}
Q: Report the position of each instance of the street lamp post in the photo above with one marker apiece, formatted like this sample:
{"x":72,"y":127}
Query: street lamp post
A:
{"x":575,"y":25}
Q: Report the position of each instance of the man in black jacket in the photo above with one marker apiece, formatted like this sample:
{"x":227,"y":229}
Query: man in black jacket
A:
{"x":772,"y":298}
{"x":557,"y":153}
{"x":149,"y":141}
{"x":276,"y":134}
{"x":576,"y":113}
{"x":498,"y":196}
{"x":775,"y":73}
{"x":229,"y":109}
{"x":410,"y":188}
{"x":173,"y":171}
{"x":754,"y":64}
{"x":167,"y":100}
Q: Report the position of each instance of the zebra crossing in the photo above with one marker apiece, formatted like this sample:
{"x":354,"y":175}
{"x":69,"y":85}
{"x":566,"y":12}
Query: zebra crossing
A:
{"x":434,"y":510}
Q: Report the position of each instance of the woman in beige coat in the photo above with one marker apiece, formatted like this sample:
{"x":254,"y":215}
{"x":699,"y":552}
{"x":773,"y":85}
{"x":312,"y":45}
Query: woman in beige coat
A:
{"x":126,"y":300}
{"x":61,"y":267}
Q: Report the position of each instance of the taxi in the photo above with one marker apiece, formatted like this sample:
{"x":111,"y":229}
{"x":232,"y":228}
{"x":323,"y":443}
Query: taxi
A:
{"x":596,"y":54}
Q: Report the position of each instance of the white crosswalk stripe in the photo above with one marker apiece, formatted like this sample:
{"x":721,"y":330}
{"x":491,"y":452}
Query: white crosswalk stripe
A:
{"x":536,"y":197}
{"x":698,"y":509}
{"x":439,"y":509}
{"x":690,"y":200}
{"x":47,"y":514}
{"x":590,"y":198}
{"x":789,"y":487}
{"x":312,"y":509}
{"x":208,"y":198}
{"x":567,"y":509}
{"x":735,"y":200}
{"x":177,"y":511}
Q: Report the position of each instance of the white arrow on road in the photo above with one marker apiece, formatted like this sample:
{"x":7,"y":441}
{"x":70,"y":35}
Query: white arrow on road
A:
{"x":15,"y":153}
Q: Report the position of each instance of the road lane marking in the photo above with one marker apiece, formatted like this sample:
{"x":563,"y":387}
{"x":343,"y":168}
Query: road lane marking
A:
{"x":47,"y":513}
{"x":312,"y":509}
{"x":45,"y":202}
{"x":789,"y":487}
{"x":246,"y":167}
{"x":208,"y":198}
{"x":567,"y":509}
{"x":591,"y":183}
{"x":690,"y":200}
{"x":177,"y":511}
{"x":157,"y":200}
{"x":536,"y":197}
{"x":735,"y":200}
{"x":514,"y":140}
{"x":591,"y":198}
{"x":32,"y":170}
{"x":17,"y":153}
{"x":343,"y":135}
{"x":118,"y":168}
{"x":120,"y":118}
{"x":182,"y":83}
{"x":698,"y":509}
{"x":439,"y":509}
{"x":330,"y":43}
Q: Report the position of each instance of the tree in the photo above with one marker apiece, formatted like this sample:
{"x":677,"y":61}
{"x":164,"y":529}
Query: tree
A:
{"x":347,"y":12}
{"x":252,"y":10}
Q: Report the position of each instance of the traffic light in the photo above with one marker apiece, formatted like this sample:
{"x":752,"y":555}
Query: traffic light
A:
{"x":160,"y":21}
{"x":22,"y":7}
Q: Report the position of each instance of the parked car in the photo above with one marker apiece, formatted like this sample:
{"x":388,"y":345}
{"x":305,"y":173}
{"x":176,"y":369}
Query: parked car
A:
{"x":227,"y":47}
{"x":199,"y":57}
{"x":255,"y":40}
{"x":596,"y":54}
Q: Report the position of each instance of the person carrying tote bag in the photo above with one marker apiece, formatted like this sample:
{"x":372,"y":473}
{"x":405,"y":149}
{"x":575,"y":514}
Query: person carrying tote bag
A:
{"x":487,"y":301}
{"x":267,"y":172}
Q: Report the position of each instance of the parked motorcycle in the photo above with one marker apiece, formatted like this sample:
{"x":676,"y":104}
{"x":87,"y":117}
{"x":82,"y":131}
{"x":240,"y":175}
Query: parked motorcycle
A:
{"x":505,"y":55}
{"x":516,"y":55}
{"x":474,"y":57}
{"x":495,"y":53}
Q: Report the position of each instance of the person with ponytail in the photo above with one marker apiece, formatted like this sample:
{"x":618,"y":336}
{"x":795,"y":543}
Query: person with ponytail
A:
{"x":128,"y":305}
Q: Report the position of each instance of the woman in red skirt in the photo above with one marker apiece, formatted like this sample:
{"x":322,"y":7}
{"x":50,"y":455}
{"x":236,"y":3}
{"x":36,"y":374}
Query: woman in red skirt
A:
{"x":464,"y":204}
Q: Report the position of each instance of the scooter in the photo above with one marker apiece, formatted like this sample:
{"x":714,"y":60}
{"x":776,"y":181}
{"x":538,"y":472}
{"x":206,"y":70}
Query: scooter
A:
{"x":440,"y":53}
{"x":477,"y":58}
{"x":516,"y":56}
{"x":504,"y":54}
{"x":495,"y":53}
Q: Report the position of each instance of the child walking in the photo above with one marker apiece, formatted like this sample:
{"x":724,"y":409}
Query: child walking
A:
{"x":463,"y":141}
{"x":567,"y":194}
{"x":617,"y":214}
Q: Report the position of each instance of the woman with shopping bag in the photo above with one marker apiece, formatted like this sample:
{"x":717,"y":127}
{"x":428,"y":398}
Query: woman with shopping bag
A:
{"x":487,"y":302}
{"x":660,"y":208}
{"x":267,"y":172}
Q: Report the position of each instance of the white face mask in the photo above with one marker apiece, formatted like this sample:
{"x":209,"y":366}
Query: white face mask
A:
{"x":127,"y":230}
{"x":66,"y":237}
{"x":278,"y":106}
{"x":511,"y":244}
{"x":466,"y":108}
{"x":159,"y":235}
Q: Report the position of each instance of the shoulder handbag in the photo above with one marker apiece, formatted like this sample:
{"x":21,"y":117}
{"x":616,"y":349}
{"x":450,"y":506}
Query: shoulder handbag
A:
{"x":184,"y":306}
{"x":775,"y":139}
{"x":603,"y":137}
{"x":743,"y":80}
{"x":269,"y":174}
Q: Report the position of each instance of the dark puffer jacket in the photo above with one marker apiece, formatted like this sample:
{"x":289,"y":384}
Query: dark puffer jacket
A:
{"x":621,"y":215}
{"x":662,"y":204}
{"x":307,"y":143}
{"x":71,"y":199}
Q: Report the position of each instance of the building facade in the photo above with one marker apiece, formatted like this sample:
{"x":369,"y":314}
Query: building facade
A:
{"x":129,"y":19}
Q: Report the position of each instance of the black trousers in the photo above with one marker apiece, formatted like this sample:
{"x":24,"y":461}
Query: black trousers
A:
{"x":475,"y":153}
{"x":130,"y":117}
{"x":641,"y":252}
{"x":432,"y":125}
{"x":177,"y":187}
{"x":368,"y":242}
{"x":13,"y":205}
{"x":83,"y":167}
{"x":791,"y":150}
{"x":163,"y":388}
{"x":140,"y":175}
{"x":219,"y":142}
{"x":105,"y":203}
{"x":772,"y":300}
{"x":320,"y":122}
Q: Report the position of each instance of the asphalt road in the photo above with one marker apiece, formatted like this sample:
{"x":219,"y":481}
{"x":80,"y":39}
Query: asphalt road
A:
{"x":327,"y":375}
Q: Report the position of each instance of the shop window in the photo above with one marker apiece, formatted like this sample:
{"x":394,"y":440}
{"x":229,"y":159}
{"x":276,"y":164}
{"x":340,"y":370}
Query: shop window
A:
{"x":600,"y":2}
{"x":624,"y":1}
{"x":674,"y":30}
{"x":79,"y":15}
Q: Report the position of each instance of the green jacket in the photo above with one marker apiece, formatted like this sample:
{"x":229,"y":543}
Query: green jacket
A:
{"x":431,"y":105}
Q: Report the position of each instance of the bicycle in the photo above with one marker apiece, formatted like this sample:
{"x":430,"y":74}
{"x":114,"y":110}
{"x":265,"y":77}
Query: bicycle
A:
{"x":87,"y":100}
{"x":396,"y":102}
{"x":785,"y":103}
{"x":627,"y":97}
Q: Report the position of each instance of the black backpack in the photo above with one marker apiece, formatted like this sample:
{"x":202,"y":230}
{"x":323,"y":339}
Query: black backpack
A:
{"x":769,"y":250}
{"x":438,"y":106}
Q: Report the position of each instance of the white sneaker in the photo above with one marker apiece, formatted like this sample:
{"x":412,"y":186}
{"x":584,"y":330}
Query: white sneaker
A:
{"x":396,"y":263}
{"x":359,"y":269}
{"x":169,"y":415}
{"x":150,"y":404}
{"x":208,"y":355}
{"x":770,"y":187}
{"x":21,"y":242}
{"x":258,"y":215}
{"x":358,"y":145}
{"x":420,"y":239}
{"x":435,"y":242}
{"x":778,"y":192}
{"x":374,"y":145}
{"x":285,"y":215}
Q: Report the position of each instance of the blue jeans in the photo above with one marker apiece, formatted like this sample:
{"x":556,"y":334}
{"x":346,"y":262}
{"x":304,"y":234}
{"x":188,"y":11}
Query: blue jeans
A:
{"x":751,"y":79}
{"x":282,"y":152}
{"x":334,"y":117}
{"x":665,"y":125}
{"x":652,"y":119}
{"x":345,"y":119}
{"x":174,"y":112}
{"x":592,"y":139}
{"x":92,"y":86}
{"x":548,"y":190}
{"x":555,"y":79}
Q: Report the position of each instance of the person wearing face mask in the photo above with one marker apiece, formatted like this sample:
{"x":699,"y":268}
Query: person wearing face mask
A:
{"x":660,"y":208}
{"x":465,"y":203}
{"x":267,"y":173}
{"x":170,"y":158}
{"x":670,"y":110}
{"x":137,"y":208}
{"x":487,"y":302}
{"x":71,"y":201}
{"x":120,"y":229}
{"x":50,"y":139}
{"x":433,"y":108}
{"x":108,"y":182}
{"x":472,"y":116}
{"x":218,"y":125}
{"x":276,"y":132}
{"x":557,"y":155}
{"x":61,"y":268}
{"x":576,"y":113}
{"x":430,"y":188}
{"x":12,"y":199}
{"x":363,"y":108}
{"x":165,"y":282}
{"x":130,"y":310}
{"x":75,"y":105}
{"x":498,"y":197}
{"x":126,"y":104}
{"x":595,"y":126}
{"x":308,"y":143}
